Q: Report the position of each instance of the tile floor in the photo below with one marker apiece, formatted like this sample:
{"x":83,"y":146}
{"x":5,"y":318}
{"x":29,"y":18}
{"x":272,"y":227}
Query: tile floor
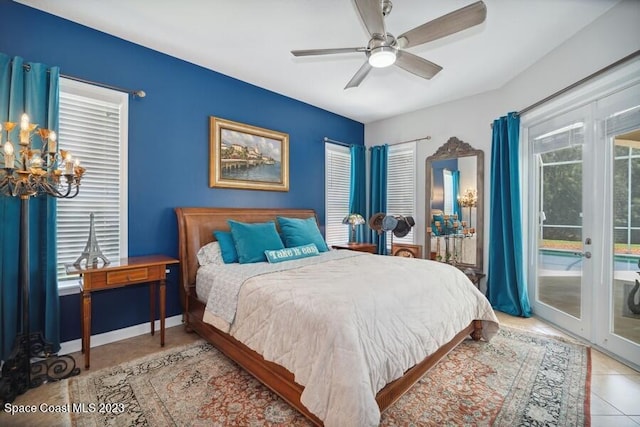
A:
{"x":563,"y":293}
{"x":615,"y":388}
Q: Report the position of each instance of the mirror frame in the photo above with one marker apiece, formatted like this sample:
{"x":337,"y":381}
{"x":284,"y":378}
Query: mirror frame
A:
{"x":453,"y":149}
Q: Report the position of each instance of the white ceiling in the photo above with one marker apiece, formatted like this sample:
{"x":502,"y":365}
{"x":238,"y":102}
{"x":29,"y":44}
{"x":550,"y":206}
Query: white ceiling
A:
{"x":251,"y":40}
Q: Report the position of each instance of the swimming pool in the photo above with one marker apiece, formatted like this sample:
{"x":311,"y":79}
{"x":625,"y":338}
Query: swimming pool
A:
{"x":561,"y":260}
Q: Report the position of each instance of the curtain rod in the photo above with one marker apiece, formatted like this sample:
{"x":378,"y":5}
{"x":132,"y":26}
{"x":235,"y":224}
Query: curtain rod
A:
{"x":428,"y":137}
{"x":333,"y":141}
{"x":579,"y":82}
{"x":344,"y":144}
{"x":139,"y":93}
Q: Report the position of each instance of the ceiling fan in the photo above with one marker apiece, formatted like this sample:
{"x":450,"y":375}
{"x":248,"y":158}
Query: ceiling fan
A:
{"x":384,"y":50}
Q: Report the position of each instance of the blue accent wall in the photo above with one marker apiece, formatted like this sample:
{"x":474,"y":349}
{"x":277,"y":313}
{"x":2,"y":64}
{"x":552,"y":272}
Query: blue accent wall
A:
{"x":169,"y":142}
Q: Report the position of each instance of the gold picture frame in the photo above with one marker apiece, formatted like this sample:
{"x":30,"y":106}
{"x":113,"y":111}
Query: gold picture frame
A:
{"x":247,"y":157}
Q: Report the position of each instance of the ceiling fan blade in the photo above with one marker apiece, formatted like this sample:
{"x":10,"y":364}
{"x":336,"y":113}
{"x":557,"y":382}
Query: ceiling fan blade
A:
{"x":311,"y":52}
{"x":445,"y":25}
{"x":371,"y":13}
{"x":416,"y":65}
{"x":359,"y":76}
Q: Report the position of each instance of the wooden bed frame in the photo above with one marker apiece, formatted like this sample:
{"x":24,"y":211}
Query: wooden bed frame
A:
{"x":195,"y":229}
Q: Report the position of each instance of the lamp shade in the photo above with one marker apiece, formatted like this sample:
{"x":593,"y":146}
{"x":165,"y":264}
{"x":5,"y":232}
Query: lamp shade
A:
{"x":353,"y":219}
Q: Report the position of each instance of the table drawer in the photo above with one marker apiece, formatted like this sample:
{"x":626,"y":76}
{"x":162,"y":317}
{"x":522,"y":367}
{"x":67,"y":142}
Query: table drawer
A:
{"x":129,"y":275}
{"x":101,"y":279}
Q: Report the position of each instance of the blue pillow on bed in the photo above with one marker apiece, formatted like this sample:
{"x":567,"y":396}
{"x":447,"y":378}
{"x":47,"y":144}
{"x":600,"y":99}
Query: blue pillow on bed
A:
{"x":299,"y":232}
{"x":288,"y":254}
{"x":253,"y":239}
{"x":227,"y":246}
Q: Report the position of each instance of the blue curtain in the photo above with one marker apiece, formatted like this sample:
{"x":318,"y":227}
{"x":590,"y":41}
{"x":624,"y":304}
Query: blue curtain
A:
{"x":506,"y":285}
{"x":455,"y":178}
{"x":358,"y":189}
{"x":378,"y":189}
{"x":33,"y":90}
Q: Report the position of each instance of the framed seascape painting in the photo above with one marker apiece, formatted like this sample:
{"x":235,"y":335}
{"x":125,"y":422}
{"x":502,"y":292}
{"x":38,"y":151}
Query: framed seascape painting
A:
{"x":247,"y":157}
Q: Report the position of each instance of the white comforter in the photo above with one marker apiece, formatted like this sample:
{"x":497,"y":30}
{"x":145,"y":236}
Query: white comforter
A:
{"x":347,"y":327}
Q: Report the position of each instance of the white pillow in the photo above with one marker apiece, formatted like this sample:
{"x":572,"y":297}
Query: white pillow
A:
{"x":210,"y":254}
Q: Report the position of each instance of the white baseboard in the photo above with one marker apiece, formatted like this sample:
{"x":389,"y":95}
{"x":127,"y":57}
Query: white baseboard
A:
{"x":118,"y":335}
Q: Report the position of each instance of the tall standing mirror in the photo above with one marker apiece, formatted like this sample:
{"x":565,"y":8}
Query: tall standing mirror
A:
{"x":455,"y":204}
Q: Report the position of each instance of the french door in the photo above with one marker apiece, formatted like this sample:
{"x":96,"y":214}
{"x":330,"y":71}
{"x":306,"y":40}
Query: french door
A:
{"x":563,"y":237}
{"x":618,"y":322}
{"x":584,"y":220}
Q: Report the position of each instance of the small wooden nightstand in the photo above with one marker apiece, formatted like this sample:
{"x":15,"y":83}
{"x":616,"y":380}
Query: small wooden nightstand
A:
{"x":474,"y":276}
{"x":406,"y":250}
{"x":124,"y":272}
{"x":360,"y":247}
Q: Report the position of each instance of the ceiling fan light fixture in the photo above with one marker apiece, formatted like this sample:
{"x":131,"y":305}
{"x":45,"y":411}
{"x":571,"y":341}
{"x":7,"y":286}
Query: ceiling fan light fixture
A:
{"x":381,"y":57}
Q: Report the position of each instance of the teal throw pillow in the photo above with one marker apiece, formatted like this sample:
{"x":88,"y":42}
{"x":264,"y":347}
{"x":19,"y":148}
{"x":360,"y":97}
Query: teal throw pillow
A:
{"x":299,"y":232}
{"x":288,"y":254}
{"x":227,"y":246}
{"x":252,"y":239}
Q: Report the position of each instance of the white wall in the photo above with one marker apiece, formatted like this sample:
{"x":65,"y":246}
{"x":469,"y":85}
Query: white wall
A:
{"x":611,"y":37}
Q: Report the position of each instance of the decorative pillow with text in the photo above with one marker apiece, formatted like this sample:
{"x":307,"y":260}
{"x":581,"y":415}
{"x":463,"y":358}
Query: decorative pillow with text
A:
{"x":287,"y":254}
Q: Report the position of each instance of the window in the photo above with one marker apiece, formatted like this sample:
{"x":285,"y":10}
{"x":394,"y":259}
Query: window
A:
{"x":401,"y":185}
{"x":337,"y":183}
{"x":401,"y":189}
{"x":447,"y":178}
{"x":560,"y":167}
{"x":93,"y":127}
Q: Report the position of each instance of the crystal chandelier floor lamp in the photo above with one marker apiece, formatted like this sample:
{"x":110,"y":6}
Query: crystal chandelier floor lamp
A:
{"x":469,"y":200}
{"x":35,"y":172}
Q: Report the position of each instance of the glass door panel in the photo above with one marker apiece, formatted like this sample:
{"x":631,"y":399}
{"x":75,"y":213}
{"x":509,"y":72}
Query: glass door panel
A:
{"x":584,"y":213}
{"x":560,"y":238}
{"x":617,"y":317}
{"x":625,"y":250}
{"x":560,"y":256}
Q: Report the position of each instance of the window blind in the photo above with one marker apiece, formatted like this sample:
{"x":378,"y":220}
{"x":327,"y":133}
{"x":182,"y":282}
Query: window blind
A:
{"x":90,"y":128}
{"x":447,"y":179}
{"x":623,"y":122}
{"x":337,"y":183}
{"x":568,"y":136}
{"x":401,"y":185}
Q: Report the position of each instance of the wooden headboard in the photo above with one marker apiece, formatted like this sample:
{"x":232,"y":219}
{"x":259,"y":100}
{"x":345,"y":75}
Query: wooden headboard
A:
{"x":196,"y":227}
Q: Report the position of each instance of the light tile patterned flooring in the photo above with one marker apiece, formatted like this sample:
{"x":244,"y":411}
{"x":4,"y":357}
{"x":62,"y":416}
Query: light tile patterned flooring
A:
{"x":615,"y":388}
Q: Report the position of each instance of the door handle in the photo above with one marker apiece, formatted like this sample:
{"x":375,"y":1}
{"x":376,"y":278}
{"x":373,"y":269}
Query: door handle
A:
{"x":586,"y":254}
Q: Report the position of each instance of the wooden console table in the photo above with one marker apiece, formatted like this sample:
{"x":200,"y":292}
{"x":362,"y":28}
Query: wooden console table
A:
{"x":124,"y":272}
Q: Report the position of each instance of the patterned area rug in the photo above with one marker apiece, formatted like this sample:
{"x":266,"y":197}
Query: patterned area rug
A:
{"x":518,"y":378}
